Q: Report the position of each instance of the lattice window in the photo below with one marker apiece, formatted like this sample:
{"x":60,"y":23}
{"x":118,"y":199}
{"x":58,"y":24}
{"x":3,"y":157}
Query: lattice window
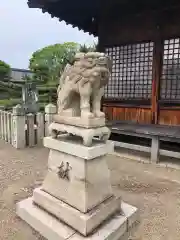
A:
{"x":131,"y":76}
{"x":170,"y":79}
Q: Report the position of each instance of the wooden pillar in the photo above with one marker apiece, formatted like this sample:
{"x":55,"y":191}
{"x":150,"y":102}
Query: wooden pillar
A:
{"x":157,"y":71}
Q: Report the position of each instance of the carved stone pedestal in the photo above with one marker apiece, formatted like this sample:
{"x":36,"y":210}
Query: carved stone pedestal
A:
{"x":86,"y":134}
{"x":77,"y":192}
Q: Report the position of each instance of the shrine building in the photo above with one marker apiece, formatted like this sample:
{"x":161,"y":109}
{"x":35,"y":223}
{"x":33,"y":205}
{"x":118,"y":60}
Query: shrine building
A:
{"x":142,"y":37}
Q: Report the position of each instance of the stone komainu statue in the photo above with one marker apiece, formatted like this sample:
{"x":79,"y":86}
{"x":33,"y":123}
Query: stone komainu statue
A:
{"x":82,"y":85}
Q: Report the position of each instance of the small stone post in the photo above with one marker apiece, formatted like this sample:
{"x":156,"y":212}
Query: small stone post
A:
{"x":1,"y":123}
{"x":18,"y":127}
{"x":9,"y":127}
{"x":30,"y":129}
{"x":5,"y":126}
{"x":40,"y":127}
{"x":155,"y":149}
{"x":50,"y":111}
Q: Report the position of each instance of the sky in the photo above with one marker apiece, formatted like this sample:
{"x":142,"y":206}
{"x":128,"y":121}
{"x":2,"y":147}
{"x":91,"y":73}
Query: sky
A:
{"x":24,"y":30}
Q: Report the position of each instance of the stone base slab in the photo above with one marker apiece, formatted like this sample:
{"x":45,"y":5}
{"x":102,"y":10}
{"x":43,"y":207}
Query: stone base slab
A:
{"x":84,"y":223}
{"x":80,"y":122}
{"x":117,"y":228}
{"x":87,"y":135}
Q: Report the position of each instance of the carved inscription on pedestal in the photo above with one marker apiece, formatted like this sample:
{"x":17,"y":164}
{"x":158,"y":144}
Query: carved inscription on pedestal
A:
{"x":63,"y":171}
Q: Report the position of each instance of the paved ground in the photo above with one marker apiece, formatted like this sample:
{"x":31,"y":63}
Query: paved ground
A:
{"x":154,"y":189}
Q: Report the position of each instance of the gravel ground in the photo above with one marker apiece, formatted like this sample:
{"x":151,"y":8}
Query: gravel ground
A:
{"x":155,"y":190}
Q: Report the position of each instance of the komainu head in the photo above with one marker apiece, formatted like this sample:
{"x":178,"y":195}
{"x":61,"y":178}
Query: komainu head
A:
{"x":92,"y":59}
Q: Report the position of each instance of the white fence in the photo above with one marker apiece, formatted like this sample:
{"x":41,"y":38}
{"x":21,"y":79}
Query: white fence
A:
{"x":25,"y":130}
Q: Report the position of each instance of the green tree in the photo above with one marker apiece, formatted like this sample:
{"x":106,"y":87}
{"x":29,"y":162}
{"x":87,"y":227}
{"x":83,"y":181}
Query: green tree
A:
{"x":10,"y":93}
{"x":48,"y":63}
{"x":5,"y":71}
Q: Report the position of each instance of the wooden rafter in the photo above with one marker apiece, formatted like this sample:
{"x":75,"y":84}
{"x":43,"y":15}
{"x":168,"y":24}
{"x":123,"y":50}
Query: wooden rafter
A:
{"x":80,"y":13}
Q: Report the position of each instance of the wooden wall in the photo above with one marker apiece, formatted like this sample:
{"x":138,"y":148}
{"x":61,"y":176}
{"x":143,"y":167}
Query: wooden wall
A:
{"x":134,"y":114}
{"x":149,"y":26}
{"x":142,"y":115}
{"x":169,"y":116}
